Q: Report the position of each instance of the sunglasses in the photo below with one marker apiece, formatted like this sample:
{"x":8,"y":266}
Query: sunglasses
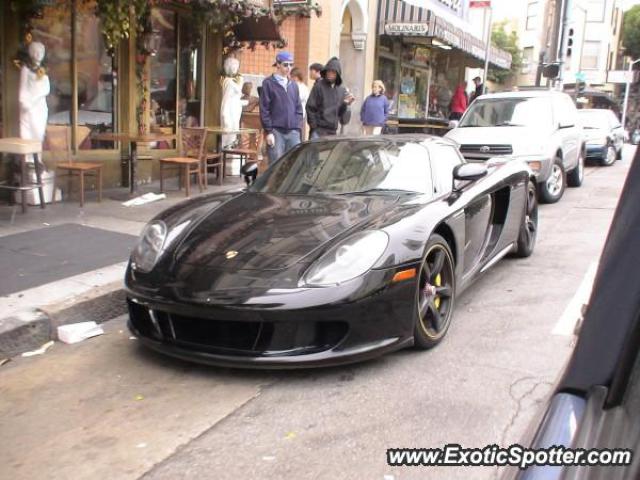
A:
{"x":286,"y":64}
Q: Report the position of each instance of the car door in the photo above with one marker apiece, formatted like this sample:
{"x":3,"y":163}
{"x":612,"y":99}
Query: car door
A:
{"x":570,"y":134}
{"x":477,"y":212}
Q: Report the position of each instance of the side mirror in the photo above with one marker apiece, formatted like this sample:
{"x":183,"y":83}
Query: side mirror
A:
{"x":470,"y":172}
{"x":453,"y":123}
{"x":250,"y":172}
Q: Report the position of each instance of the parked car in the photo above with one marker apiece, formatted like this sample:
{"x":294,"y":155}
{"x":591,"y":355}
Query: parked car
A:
{"x":603,"y":134}
{"x":596,"y":404}
{"x":344,"y":249}
{"x":539,"y":127}
{"x":635,"y":137}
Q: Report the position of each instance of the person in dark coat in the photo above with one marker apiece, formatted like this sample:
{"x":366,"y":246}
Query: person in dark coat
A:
{"x":281,"y":109}
{"x":479,"y":89}
{"x":329,"y":102}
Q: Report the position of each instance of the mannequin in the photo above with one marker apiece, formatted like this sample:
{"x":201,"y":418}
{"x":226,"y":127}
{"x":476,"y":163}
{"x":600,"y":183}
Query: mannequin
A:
{"x":232,"y":103}
{"x":34,"y":113}
{"x":34,"y":88}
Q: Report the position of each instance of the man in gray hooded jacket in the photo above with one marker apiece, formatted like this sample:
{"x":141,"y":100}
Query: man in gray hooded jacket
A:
{"x":329,"y":102}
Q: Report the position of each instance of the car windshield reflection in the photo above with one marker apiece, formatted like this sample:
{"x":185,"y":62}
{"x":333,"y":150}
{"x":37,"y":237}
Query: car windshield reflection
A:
{"x":348,"y":167}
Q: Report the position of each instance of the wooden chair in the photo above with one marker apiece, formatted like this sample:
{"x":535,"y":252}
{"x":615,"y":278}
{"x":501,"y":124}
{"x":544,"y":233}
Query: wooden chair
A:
{"x":191,"y":158}
{"x":213,"y":162}
{"x":58,"y":141}
{"x":247,"y":149}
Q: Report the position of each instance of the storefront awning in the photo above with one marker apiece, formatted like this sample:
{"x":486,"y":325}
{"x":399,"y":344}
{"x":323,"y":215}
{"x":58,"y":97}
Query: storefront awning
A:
{"x":396,"y":17}
{"x":258,"y":29}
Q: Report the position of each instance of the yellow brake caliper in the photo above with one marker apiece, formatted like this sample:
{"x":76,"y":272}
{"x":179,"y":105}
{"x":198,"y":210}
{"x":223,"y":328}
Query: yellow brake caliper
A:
{"x":438,"y":282}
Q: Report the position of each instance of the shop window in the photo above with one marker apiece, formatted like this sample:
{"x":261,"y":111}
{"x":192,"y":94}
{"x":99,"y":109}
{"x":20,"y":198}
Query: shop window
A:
{"x":590,"y":54}
{"x":94,"y":83}
{"x":387,"y":73}
{"x":189,"y":86}
{"x":164,"y":85}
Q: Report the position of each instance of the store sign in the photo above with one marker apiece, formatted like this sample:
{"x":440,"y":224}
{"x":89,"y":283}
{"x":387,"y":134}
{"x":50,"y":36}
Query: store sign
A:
{"x":448,"y":33}
{"x":406,"y":28}
{"x":480,"y":4}
{"x":619,"y":76}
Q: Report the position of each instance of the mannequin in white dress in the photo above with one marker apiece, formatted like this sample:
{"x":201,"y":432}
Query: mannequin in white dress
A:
{"x":231,"y":106}
{"x":34,"y":88}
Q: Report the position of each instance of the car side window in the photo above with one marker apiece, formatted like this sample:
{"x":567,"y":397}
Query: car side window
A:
{"x":566,"y":111}
{"x":444,"y":158}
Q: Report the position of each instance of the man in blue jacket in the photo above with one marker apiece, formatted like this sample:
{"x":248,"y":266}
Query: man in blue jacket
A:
{"x":281,"y":109}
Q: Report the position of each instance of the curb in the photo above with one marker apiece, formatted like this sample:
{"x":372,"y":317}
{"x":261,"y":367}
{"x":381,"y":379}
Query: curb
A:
{"x":30,"y":329}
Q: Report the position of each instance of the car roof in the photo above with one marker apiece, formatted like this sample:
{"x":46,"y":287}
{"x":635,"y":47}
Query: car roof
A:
{"x":523,"y":94}
{"x":421,"y":138}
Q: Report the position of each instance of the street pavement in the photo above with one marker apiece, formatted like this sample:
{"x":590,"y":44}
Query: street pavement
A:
{"x":107,"y":407}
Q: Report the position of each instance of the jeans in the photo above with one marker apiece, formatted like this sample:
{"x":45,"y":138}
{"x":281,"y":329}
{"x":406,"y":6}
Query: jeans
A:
{"x":285,"y":140}
{"x":320,"y":132}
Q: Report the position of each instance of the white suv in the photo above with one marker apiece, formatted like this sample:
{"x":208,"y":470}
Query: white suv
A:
{"x":539,"y":127}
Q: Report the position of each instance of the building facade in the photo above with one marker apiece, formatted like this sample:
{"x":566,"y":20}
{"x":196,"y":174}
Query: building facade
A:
{"x":425,"y":50}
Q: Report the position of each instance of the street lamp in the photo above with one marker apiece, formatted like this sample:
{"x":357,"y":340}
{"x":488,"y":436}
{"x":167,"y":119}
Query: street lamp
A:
{"x":626,"y":93}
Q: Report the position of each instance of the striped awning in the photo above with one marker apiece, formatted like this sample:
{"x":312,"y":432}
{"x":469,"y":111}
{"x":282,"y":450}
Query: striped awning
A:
{"x":396,"y":17}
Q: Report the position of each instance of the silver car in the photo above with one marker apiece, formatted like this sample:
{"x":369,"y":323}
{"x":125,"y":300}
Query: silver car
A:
{"x":604,"y":135}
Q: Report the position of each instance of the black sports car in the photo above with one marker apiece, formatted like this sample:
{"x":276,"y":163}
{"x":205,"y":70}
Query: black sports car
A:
{"x":344,"y":249}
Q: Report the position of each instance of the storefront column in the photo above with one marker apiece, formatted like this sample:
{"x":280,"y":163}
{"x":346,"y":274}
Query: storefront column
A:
{"x":212,"y":67}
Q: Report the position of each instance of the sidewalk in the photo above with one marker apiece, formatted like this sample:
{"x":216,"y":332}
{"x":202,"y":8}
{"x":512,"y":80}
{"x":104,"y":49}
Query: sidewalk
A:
{"x":65,"y":264}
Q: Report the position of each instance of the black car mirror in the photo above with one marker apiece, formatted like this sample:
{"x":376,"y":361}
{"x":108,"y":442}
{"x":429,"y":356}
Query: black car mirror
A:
{"x":250,"y":171}
{"x":469,"y":172}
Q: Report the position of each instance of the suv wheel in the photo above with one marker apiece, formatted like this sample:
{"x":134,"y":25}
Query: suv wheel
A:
{"x":552,"y":189}
{"x":609,"y":156}
{"x":576,"y":176}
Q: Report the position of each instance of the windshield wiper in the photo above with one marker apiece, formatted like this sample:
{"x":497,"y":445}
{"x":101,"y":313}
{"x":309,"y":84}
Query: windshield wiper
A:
{"x":377,"y":190}
{"x":509,"y":124}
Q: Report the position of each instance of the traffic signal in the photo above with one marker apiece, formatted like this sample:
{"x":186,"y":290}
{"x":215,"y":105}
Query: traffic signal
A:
{"x":569,"y":43}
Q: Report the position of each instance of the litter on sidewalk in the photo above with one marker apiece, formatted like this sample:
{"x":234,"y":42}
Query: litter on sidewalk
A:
{"x":77,"y":332}
{"x":146,"y":198}
{"x":39,"y":351}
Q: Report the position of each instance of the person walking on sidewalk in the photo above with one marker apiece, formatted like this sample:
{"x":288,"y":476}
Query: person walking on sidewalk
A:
{"x":329,"y":102}
{"x":281,"y":109}
{"x":375,"y":109}
{"x":314,"y":71}
{"x":458,"y":102}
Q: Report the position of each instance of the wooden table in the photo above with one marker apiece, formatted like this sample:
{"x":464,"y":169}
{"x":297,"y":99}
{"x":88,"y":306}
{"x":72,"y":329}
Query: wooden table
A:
{"x":22,"y":147}
{"x":133,"y":141}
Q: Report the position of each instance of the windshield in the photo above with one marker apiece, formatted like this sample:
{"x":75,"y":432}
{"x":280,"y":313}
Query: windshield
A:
{"x":507,"y":112}
{"x":594,"y":120}
{"x":348,"y":167}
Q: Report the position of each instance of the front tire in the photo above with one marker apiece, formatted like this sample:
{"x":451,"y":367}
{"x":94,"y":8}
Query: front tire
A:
{"x":609,"y":156}
{"x":576,"y":176}
{"x":529,"y":227}
{"x":435,"y":294}
{"x":552,"y":189}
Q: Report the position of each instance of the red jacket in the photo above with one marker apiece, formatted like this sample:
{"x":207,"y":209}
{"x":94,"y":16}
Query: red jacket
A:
{"x":459,"y":100}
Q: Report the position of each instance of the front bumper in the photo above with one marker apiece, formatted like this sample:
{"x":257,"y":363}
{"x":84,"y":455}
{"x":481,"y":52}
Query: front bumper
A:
{"x":597,"y":152}
{"x":273,"y":336}
{"x":540,"y":166}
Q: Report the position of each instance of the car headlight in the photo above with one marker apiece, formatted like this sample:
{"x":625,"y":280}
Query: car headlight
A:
{"x":347,"y":260}
{"x":149,"y":247}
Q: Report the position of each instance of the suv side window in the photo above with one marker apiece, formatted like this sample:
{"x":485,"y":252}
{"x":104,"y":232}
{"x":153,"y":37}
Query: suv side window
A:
{"x":443,"y":160}
{"x":566,"y":112}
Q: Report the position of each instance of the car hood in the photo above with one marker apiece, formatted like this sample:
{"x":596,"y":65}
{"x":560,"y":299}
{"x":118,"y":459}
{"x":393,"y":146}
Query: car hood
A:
{"x":268,"y":232}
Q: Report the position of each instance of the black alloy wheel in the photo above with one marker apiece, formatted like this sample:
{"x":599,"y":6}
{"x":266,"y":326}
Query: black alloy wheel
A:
{"x":529,"y":228}
{"x":435,"y":294}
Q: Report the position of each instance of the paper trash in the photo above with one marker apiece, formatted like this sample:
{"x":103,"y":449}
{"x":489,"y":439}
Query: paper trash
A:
{"x":76,"y":332}
{"x":146,"y":198}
